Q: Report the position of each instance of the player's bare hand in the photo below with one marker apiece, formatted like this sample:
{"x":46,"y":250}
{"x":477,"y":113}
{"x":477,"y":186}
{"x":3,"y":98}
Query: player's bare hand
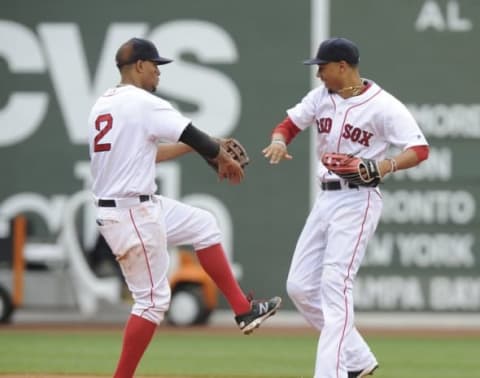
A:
{"x":276,"y":152}
{"x":230,"y":169}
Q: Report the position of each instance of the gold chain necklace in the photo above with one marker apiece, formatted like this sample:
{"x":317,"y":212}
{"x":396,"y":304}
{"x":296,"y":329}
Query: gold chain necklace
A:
{"x":356,"y":89}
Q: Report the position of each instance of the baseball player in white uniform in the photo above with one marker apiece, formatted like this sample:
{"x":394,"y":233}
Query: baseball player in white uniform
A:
{"x":126,"y":125}
{"x":351,"y":115}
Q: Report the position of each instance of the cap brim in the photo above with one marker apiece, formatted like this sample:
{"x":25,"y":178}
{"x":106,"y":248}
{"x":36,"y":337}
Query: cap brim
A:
{"x":313,"y":61}
{"x":159,"y":61}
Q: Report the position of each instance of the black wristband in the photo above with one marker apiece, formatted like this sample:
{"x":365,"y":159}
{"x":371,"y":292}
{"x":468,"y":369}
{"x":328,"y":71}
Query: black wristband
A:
{"x":200,"y":142}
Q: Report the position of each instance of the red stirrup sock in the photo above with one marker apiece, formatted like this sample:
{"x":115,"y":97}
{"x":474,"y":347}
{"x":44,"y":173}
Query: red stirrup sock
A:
{"x":137,"y":335}
{"x":214,"y":262}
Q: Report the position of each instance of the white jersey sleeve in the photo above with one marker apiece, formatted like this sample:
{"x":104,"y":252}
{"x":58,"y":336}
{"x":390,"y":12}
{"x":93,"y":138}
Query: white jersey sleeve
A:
{"x":163,"y":122}
{"x":303,"y":114}
{"x":401,"y":128}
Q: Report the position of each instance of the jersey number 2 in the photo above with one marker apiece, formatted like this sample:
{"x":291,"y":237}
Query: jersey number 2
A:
{"x":103,"y":124}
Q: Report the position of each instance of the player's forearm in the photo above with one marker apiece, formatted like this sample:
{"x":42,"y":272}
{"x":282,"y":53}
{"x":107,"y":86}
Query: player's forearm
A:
{"x":286,"y":129}
{"x":171,"y":151}
{"x":200,"y":142}
{"x":407,"y":159}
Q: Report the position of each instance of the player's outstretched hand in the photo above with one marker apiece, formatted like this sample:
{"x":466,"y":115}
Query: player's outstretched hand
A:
{"x":229,"y":168}
{"x":276,"y":152}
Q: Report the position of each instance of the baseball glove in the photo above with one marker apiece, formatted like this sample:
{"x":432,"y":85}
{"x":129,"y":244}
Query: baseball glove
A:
{"x":235,"y":149}
{"x":356,"y":170}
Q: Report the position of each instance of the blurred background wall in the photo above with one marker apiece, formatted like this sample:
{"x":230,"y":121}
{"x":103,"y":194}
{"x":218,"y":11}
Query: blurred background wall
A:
{"x":238,"y":67}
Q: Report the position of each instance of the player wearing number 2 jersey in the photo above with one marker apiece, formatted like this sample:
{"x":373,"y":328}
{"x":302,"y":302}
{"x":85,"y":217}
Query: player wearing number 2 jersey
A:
{"x":126,"y":126}
{"x":354,"y":116}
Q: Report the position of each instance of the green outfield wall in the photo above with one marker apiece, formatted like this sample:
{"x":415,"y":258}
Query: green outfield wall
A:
{"x":238,"y":67}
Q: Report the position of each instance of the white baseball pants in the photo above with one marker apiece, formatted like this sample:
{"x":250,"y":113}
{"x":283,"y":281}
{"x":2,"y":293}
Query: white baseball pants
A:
{"x":138,"y":237}
{"x":325,"y":263}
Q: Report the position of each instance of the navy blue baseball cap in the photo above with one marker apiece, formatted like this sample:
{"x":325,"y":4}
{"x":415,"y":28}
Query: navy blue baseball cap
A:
{"x":139,"y":49}
{"x":336,"y":50}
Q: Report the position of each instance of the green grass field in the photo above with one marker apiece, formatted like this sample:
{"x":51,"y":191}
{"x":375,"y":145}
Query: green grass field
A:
{"x":209,"y":353}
